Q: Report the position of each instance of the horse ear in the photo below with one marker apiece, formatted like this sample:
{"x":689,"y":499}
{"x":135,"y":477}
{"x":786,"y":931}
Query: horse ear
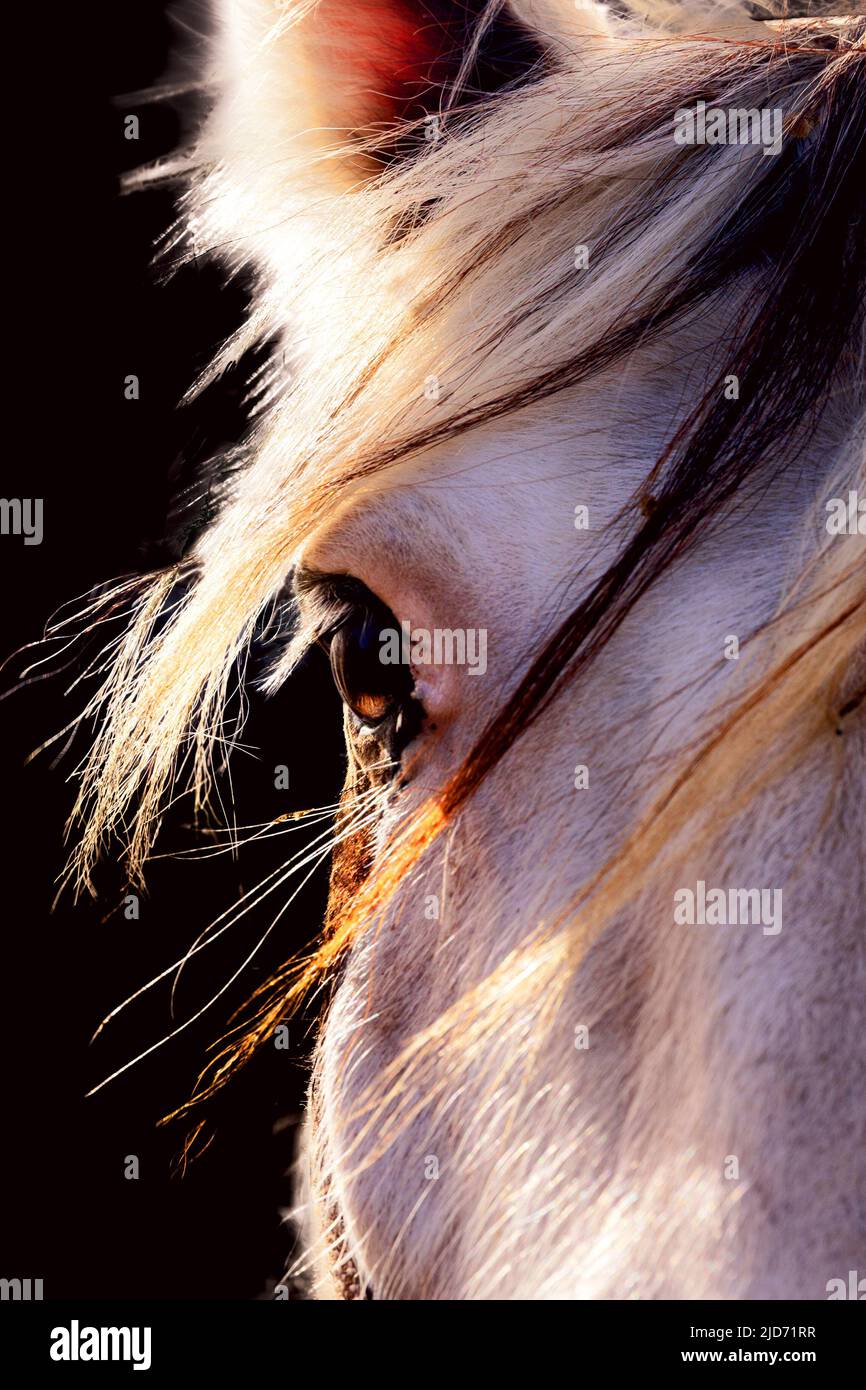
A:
{"x":300,"y":75}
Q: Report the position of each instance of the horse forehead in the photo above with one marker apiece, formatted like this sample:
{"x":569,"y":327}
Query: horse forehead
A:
{"x":498,"y":501}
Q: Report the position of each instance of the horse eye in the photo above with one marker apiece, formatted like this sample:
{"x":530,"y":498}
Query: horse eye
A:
{"x":373,"y":690}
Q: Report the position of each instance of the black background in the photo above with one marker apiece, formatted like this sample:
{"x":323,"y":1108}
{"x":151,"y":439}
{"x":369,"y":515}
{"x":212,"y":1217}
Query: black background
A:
{"x":85,"y":307}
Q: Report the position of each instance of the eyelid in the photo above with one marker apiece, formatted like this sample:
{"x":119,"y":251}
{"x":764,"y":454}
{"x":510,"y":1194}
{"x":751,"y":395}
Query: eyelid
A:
{"x":342,"y":587}
{"x":326,"y":601}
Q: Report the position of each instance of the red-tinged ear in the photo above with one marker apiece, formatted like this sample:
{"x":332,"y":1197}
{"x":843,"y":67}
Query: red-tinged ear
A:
{"x":374,"y":61}
{"x":325,"y":71}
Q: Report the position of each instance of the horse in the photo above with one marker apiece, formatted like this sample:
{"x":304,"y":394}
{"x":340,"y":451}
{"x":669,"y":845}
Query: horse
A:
{"x":564,"y":305}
